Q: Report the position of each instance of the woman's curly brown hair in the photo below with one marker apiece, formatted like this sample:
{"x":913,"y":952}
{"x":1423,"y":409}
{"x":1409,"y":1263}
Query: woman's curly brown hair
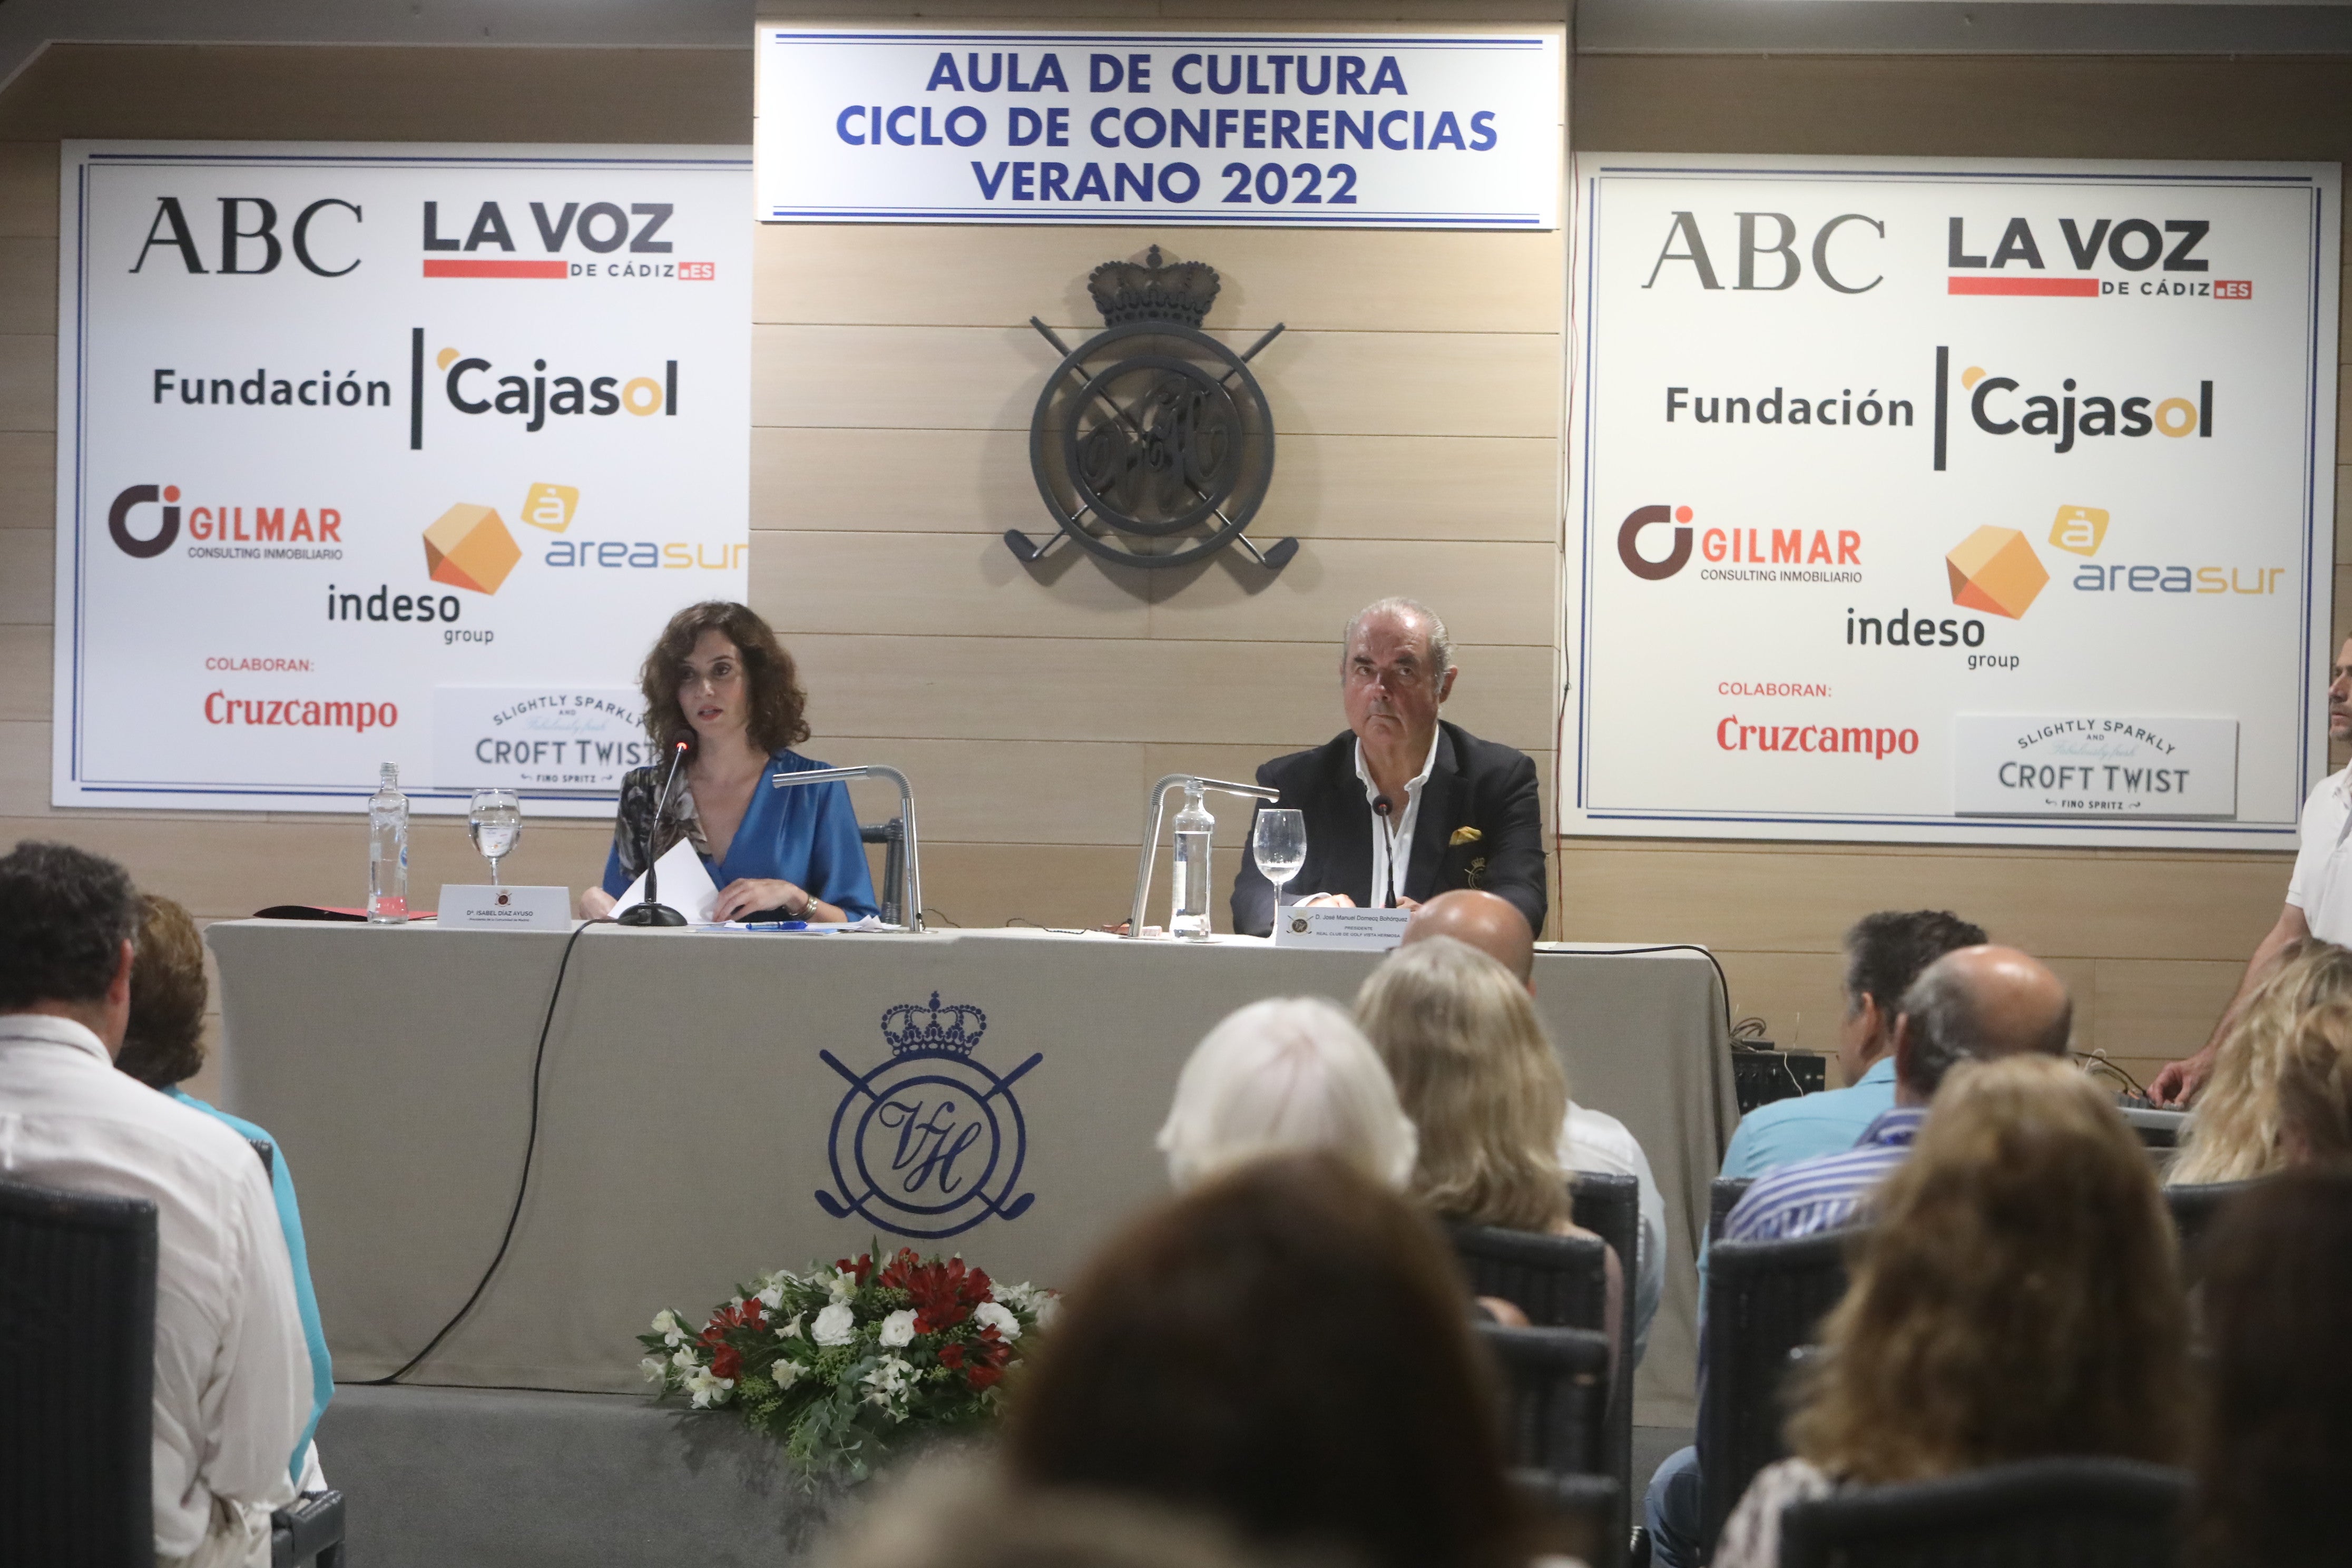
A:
{"x":164,"y":1044}
{"x":779,"y":706}
{"x":2016,"y":1296}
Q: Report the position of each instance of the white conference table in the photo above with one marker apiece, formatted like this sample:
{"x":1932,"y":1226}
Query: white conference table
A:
{"x":711,"y":1105}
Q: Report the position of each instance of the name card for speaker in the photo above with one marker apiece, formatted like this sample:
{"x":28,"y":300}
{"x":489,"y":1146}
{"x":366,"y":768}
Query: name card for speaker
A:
{"x":472,"y":907}
{"x":2176,"y":769}
{"x":1345,"y":929}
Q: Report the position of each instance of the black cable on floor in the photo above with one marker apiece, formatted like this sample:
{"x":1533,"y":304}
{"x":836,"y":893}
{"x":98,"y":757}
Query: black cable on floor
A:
{"x":1721,"y":979}
{"x":530,"y":1148}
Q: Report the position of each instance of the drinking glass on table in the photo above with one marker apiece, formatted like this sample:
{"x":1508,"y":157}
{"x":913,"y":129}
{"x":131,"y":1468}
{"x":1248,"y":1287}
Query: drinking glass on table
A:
{"x":495,"y":820}
{"x":1279,"y":842}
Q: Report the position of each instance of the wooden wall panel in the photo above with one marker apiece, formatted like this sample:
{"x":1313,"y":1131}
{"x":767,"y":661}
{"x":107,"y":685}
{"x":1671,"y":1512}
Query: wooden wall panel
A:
{"x":987,"y":378}
{"x":1332,"y":487}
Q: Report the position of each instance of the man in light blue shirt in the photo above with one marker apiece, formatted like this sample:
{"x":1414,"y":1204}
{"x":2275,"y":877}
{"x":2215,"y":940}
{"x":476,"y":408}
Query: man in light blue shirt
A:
{"x":1885,"y":953}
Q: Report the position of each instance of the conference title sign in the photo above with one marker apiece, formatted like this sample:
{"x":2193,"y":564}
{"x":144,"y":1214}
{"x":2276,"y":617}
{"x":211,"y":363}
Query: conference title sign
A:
{"x":374,"y":454}
{"x":1916,"y":500}
{"x":1454,"y":130}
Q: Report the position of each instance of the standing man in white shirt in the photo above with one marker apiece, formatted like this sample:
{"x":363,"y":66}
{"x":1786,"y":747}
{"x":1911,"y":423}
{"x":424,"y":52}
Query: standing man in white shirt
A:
{"x":2318,"y":896}
{"x":232,"y":1373}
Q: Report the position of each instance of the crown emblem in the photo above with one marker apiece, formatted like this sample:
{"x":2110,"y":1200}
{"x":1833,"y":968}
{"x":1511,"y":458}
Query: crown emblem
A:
{"x":955,"y":1030}
{"x":1154,"y":292}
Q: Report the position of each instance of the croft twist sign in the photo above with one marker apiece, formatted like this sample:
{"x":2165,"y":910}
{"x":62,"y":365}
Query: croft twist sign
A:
{"x":1378,"y":130}
{"x":1950,"y":502}
{"x":373,"y":454}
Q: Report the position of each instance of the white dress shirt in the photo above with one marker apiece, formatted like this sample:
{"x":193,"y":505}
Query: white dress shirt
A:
{"x":232,"y":1373}
{"x":1596,"y":1140}
{"x":1392,"y":834}
{"x":2322,"y":884}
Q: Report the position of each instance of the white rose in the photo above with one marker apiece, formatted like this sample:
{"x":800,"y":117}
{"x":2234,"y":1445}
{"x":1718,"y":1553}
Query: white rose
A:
{"x":988,"y":1315}
{"x":898,"y":1328}
{"x":835,"y":1326}
{"x":1046,"y":1307}
{"x":653,"y":1367}
{"x":791,"y":1330}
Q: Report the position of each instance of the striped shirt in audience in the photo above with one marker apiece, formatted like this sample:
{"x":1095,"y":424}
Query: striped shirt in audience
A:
{"x":1824,"y":1193}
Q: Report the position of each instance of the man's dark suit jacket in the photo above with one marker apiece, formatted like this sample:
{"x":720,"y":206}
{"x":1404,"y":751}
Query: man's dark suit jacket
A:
{"x":1473,"y":784}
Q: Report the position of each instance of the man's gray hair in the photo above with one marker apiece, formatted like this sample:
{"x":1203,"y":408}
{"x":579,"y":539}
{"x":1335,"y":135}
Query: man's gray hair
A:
{"x":1947,"y":1030}
{"x":1441,"y":642}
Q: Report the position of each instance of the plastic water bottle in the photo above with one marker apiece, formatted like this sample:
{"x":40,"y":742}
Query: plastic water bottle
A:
{"x":1188,"y":915}
{"x":388,"y":850}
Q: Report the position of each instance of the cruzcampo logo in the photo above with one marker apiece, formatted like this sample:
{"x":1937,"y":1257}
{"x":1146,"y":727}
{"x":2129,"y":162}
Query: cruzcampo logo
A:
{"x":931,"y":1142}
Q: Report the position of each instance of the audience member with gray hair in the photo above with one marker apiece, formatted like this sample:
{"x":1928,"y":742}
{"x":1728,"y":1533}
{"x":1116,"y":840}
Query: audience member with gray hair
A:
{"x":1975,"y":1004}
{"x":1285,"y":1076}
{"x":1401,"y":806}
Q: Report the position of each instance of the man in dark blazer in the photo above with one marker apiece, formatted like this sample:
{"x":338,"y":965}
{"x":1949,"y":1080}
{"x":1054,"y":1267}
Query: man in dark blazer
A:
{"x":1401,"y":806}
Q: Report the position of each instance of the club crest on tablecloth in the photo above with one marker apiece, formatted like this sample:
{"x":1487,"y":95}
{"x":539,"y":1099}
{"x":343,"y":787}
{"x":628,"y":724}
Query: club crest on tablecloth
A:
{"x":930,"y":1141}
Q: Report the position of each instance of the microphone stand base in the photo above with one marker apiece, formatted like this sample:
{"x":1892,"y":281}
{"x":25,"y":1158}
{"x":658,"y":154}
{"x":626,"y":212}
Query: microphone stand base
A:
{"x":649,"y":915}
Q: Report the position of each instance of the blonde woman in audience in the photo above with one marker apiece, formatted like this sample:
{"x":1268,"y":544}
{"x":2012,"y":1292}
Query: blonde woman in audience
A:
{"x":1483,"y":1087}
{"x":1283,"y":1076}
{"x":2017,"y":1297}
{"x":2236,"y":1135}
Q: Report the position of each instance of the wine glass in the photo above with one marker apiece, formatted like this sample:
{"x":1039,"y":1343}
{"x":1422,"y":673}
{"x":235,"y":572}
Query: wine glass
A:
{"x":1279,"y":842}
{"x":495,"y":821}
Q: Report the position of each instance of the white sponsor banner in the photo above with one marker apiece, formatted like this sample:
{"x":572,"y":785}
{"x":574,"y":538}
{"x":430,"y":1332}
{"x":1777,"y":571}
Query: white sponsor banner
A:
{"x":1363,"y":130}
{"x":538,"y":737}
{"x":342,"y":425}
{"x":2098,"y":767}
{"x":1859,"y":447}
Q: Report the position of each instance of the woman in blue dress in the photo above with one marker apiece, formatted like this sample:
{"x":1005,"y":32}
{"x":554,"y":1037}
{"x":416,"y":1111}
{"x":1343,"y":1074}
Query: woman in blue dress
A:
{"x":719,"y":679}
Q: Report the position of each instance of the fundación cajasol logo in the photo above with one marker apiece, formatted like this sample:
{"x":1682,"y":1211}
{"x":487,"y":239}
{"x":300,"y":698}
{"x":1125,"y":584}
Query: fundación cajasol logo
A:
{"x":931,"y":1142}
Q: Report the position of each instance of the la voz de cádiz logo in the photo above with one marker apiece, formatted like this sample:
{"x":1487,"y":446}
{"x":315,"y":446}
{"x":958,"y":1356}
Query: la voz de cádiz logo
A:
{"x":931,"y":1142}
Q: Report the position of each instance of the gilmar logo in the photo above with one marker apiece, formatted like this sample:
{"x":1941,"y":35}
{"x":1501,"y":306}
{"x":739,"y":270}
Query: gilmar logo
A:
{"x":222,"y":524}
{"x":1793,"y":547}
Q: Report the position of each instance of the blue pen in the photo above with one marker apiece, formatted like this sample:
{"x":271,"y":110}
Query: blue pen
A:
{"x":777,"y":925}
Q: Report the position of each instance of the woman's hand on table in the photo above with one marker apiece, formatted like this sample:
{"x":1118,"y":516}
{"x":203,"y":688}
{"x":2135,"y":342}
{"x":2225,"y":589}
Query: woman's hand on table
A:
{"x":596,"y":903}
{"x":750,"y":895}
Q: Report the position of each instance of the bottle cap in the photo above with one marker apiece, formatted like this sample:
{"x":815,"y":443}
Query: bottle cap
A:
{"x":390,"y":772}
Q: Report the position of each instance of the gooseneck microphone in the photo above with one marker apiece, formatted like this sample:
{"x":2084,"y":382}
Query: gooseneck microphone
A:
{"x":1385,"y":809}
{"x":651,"y":911}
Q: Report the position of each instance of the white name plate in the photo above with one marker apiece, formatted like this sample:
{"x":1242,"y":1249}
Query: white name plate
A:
{"x":485,"y":908}
{"x":1325,"y":926}
{"x":2094,"y":765}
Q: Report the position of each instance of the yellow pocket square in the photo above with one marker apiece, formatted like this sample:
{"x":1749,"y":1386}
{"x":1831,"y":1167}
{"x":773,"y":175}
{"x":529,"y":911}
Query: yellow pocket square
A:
{"x":1465,"y":836}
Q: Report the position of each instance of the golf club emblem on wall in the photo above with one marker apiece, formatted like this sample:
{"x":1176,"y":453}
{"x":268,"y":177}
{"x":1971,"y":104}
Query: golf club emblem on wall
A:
{"x":1153,"y":444}
{"x":931,"y":1142}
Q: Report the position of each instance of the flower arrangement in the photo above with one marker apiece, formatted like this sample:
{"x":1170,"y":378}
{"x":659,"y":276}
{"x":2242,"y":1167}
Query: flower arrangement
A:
{"x":838,"y":1363}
